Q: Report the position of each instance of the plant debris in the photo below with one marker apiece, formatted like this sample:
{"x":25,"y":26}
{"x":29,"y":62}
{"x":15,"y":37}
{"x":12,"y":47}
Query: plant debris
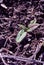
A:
{"x":21,"y":32}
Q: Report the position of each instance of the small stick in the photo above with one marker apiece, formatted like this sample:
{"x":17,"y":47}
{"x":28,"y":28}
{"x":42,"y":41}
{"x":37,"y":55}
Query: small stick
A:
{"x":28,"y":60}
{"x":3,"y":59}
{"x":37,"y":49}
{"x":10,"y":52}
{"x":4,"y":6}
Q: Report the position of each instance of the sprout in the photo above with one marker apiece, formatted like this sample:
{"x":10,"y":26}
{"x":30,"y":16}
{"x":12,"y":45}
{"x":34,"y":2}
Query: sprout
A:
{"x":22,"y":33}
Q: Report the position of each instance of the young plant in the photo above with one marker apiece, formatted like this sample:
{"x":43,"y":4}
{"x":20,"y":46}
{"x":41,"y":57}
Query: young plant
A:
{"x":23,"y":32}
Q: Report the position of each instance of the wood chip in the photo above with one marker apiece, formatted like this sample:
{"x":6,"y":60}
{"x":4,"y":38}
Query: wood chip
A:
{"x":4,"y":6}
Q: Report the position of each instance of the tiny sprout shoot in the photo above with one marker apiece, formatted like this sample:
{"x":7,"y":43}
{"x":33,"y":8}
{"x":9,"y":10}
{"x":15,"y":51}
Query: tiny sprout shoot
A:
{"x":22,"y":33}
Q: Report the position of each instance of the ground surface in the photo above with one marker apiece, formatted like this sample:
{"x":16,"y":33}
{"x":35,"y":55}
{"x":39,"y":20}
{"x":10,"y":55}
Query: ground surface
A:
{"x":21,"y":12}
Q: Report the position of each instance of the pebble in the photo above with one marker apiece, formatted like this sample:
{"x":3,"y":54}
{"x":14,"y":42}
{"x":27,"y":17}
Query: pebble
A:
{"x":26,"y":45}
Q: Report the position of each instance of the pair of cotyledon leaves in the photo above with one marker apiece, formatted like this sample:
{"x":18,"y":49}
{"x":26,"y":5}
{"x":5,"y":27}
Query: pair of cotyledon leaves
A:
{"x":23,"y":32}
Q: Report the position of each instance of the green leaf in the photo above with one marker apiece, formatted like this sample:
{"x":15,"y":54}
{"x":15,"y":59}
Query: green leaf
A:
{"x":22,"y":26}
{"x":33,"y":21}
{"x":21,"y":35}
{"x":32,"y":27}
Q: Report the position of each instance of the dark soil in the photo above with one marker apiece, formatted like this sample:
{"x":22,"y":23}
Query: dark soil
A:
{"x":21,"y":12}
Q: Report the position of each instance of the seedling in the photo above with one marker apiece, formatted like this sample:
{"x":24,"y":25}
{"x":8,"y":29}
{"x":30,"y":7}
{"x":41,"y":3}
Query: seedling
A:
{"x":23,"y":32}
